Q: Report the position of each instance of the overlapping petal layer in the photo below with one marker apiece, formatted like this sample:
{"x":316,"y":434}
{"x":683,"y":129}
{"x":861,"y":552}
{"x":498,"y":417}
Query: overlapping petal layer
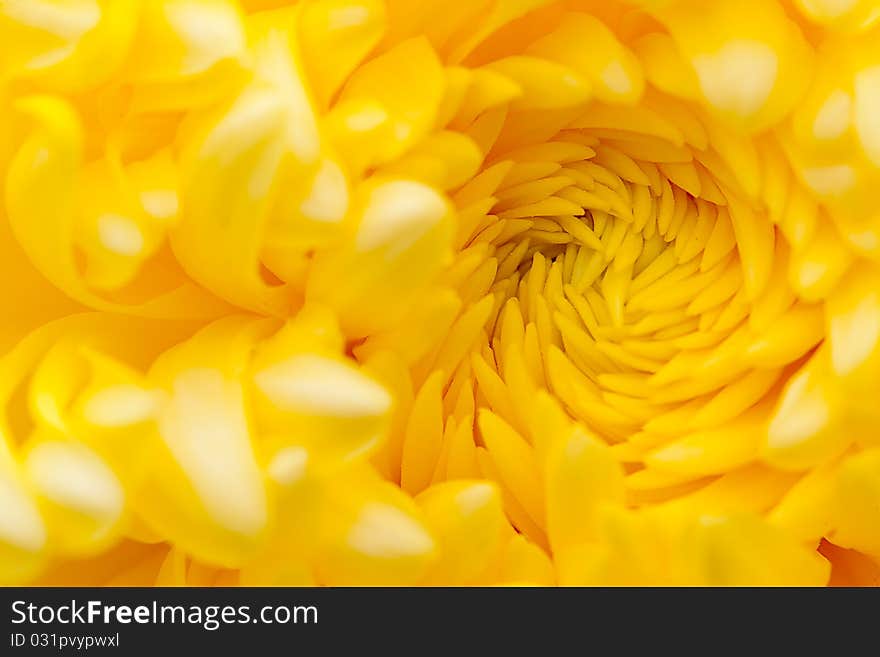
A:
{"x":393,"y":292}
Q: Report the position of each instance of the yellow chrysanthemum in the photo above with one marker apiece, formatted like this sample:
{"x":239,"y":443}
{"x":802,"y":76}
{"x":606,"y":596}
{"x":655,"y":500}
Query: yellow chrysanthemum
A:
{"x":430,"y":292}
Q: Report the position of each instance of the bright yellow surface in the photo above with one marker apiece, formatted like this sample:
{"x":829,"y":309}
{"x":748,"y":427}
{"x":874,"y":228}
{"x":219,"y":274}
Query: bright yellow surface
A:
{"x":440,"y":292}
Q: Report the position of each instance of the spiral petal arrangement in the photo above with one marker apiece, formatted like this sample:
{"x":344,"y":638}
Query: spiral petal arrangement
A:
{"x":396,"y":292}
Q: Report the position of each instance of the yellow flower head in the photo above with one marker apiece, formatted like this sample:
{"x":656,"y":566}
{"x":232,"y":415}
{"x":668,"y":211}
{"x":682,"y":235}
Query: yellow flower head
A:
{"x":445,"y":293}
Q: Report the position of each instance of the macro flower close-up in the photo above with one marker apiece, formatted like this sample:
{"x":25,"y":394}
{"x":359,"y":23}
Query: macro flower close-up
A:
{"x":440,"y":292}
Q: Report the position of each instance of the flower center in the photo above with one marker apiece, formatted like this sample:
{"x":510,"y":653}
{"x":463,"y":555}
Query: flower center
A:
{"x":635,"y":282}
